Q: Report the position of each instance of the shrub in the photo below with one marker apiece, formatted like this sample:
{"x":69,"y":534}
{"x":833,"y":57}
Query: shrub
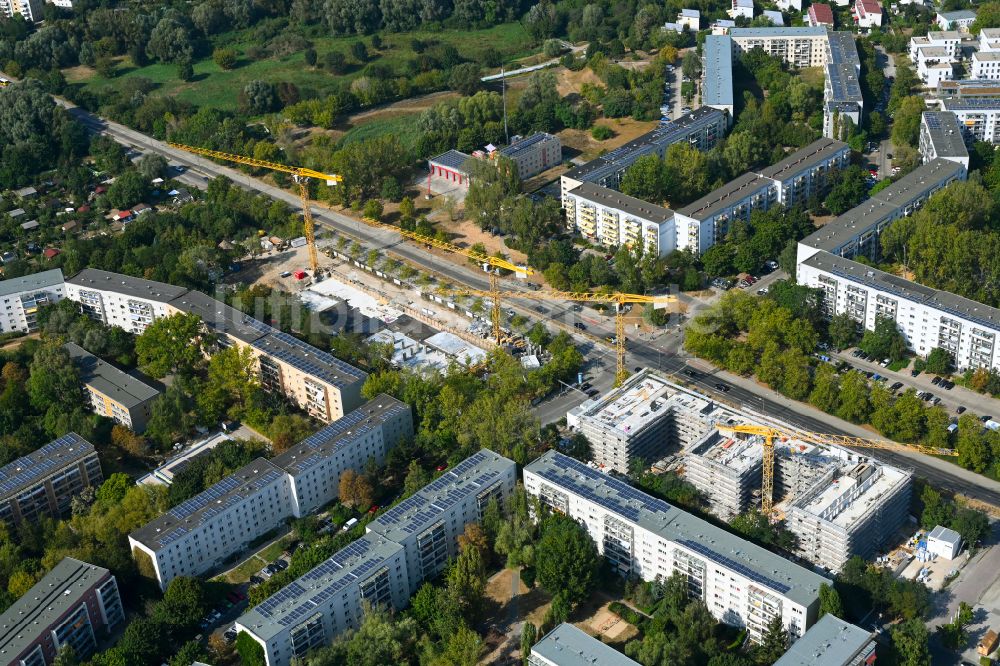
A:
{"x":225,"y":58}
{"x":602,"y":132}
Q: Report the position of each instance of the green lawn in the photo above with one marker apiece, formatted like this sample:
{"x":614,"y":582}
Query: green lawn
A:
{"x":403,"y":126}
{"x":217,"y":88}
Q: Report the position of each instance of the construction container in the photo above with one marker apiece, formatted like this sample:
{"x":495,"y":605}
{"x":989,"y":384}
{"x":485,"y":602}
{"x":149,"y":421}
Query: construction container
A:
{"x":987,"y":643}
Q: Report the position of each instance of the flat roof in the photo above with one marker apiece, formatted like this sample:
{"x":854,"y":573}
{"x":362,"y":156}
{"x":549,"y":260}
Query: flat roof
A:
{"x":568,"y":646}
{"x":665,"y":135}
{"x":191,"y":514}
{"x":945,"y":133}
{"x":330,"y":439}
{"x":630,"y":205}
{"x":945,"y":35}
{"x":220,"y":317}
{"x":974,"y":104}
{"x":717,"y":83}
{"x":108,"y":380}
{"x":865,"y":216}
{"x":988,"y":56}
{"x":304,"y":357}
{"x":92,"y":278}
{"x":27,"y":471}
{"x":667,"y":521}
{"x":474,"y":475}
{"x":59,"y":591}
{"x":33,"y":282}
{"x":843,"y":83}
{"x":945,"y":534}
{"x":853,"y":491}
{"x":958,"y":14}
{"x":739,"y":454}
{"x":977,"y":87}
{"x":628,"y":409}
{"x":293,"y":604}
{"x":525,"y":143}
{"x":829,"y":642}
{"x":732,"y":192}
{"x":778,"y":33}
{"x":453,"y":159}
{"x":947,"y":302}
{"x":817,"y":152}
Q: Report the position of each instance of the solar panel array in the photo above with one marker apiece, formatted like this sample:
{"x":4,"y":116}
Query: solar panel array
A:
{"x":35,"y":466}
{"x":733,"y":565}
{"x":351,"y":564}
{"x":307,"y":359}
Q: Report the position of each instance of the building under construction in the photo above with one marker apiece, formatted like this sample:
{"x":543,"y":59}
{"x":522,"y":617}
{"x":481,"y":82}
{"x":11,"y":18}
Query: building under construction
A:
{"x":837,"y":502}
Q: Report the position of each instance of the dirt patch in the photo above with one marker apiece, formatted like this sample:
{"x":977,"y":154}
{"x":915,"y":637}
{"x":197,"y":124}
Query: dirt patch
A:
{"x":608,"y":625}
{"x":78,"y":73}
{"x":403,"y":106}
{"x":572,"y":82}
{"x":625,"y":129}
{"x":466,"y":234}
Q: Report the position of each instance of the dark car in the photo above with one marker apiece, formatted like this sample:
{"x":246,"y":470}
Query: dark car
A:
{"x":691,"y":373}
{"x":948,"y":385}
{"x":540,"y":309}
{"x":722,"y":387}
{"x":896,"y":386}
{"x":914,"y":373}
{"x":592,"y":393}
{"x":984,"y":418}
{"x":936,"y":381}
{"x":580,"y":326}
{"x":960,"y":410}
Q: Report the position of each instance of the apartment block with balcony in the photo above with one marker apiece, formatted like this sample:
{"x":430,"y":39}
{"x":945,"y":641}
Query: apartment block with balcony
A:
{"x":112,"y":392}
{"x":805,"y":173}
{"x":832,"y":642}
{"x":121,"y":300}
{"x":742,"y":584}
{"x":20,"y":299}
{"x":76,"y":605}
{"x":702,"y":224}
{"x":566,"y":645}
{"x":798,"y":47}
{"x":941,"y":136}
{"x":979,"y":117}
{"x":44,"y":482}
{"x":615,"y":219}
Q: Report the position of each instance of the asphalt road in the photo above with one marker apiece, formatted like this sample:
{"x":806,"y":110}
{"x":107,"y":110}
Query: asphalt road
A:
{"x":659,"y":354}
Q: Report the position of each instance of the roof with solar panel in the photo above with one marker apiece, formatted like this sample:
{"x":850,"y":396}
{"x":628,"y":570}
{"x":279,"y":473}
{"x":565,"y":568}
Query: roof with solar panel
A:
{"x":92,"y":278}
{"x":27,"y":471}
{"x":220,"y":317}
{"x":327,"y":441}
{"x":309,"y":360}
{"x":300,"y":599}
{"x":415,"y":514}
{"x":713,"y":543}
{"x":178,"y":521}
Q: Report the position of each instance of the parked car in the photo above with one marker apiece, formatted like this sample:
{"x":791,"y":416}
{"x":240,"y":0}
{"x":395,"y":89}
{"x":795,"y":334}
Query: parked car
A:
{"x":285,"y":274}
{"x":984,"y":418}
{"x":593,"y":393}
{"x":948,"y":385}
{"x":914,"y":373}
{"x":896,"y":386}
{"x":936,"y":381}
{"x":960,"y":409}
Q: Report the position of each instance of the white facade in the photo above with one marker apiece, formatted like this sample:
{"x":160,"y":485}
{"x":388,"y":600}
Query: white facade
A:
{"x":941,"y":137}
{"x":31,"y":10}
{"x":615,"y":219}
{"x":690,"y":19}
{"x":799,"y":47}
{"x":790,"y":5}
{"x":944,"y":542}
{"x":959,"y":20}
{"x":121,"y":300}
{"x":742,"y":584}
{"x":202,"y":532}
{"x":978,"y":117}
{"x":706,"y":222}
{"x":867,"y":13}
{"x":986,"y":65}
{"x":989,"y":40}
{"x":534,"y":154}
{"x":935,"y":56}
{"x":742,"y":8}
{"x":20,"y":299}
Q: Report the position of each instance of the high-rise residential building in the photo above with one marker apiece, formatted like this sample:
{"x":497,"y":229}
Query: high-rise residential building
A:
{"x":941,"y":136}
{"x":534,"y":154}
{"x":979,"y":117}
{"x":44,"y":482}
{"x":717,"y":70}
{"x":614,"y":219}
{"x":75,"y":606}
{"x":805,"y":173}
{"x":114,"y":393}
{"x":31,"y":10}
{"x":742,"y":584}
{"x":831,"y":642}
{"x":121,"y":300}
{"x":21,"y":297}
{"x":799,"y":47}
{"x":403,"y":547}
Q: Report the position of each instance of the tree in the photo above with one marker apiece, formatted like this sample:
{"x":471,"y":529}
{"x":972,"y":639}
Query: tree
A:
{"x":467,"y":581}
{"x":183,"y":603}
{"x":910,"y":640}
{"x":336,"y":62}
{"x":128,"y":441}
{"x":53,"y":379}
{"x":646,"y":179}
{"x":843,"y":331}
{"x":128,"y":189}
{"x":227,"y":58}
{"x":566,"y":559}
{"x":170,"y":345}
{"x":691,"y":65}
{"x":529,"y":635}
{"x":855,"y":404}
{"x":170,"y":42}
{"x":848,"y":188}
{"x":259,"y":97}
{"x":373,"y":209}
{"x":906,"y":123}
{"x":885,"y":341}
{"x":185,"y":70}
{"x":829,"y":601}
{"x":152,"y":165}
{"x":773,"y":644}
{"x":465,"y":78}
{"x":359,"y":51}
{"x":355,"y":490}
{"x":114,"y":488}
{"x":939,"y":361}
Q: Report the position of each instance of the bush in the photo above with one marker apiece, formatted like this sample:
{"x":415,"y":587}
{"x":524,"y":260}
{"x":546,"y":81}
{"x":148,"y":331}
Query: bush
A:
{"x":602,"y":132}
{"x":225,"y":58}
{"x":625,"y":613}
{"x":528,"y":577}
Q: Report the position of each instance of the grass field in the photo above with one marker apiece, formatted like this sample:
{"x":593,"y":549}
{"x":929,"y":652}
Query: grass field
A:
{"x":403,"y":126}
{"x":218,"y":88}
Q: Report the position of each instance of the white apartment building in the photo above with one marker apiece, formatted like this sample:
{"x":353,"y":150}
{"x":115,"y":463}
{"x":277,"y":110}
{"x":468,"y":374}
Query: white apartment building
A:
{"x":806,"y":172}
{"x":199,"y":534}
{"x":831,"y":642}
{"x":989,"y":40}
{"x":315,"y":464}
{"x":31,"y":10}
{"x":534,"y":154}
{"x":408,"y":544}
{"x":842,"y":98}
{"x":717,"y":73}
{"x":566,"y":645}
{"x":790,"y":5}
{"x":941,"y":137}
{"x":615,"y":219}
{"x":742,"y":584}
{"x":978,"y":117}
{"x":742,"y":8}
{"x":121,"y":300}
{"x":867,"y":13}
{"x":986,"y":65}
{"x":702,"y":224}
{"x":799,"y":47}
{"x":690,"y":19}
{"x":948,"y":40}
{"x":202,"y":532}
{"x":935,"y":65}
{"x":21,"y":297}
{"x":926,"y":317}
{"x":957,"y":20}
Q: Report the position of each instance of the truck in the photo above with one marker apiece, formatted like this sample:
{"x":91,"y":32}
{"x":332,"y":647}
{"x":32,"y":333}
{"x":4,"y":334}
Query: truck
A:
{"x":987,"y":643}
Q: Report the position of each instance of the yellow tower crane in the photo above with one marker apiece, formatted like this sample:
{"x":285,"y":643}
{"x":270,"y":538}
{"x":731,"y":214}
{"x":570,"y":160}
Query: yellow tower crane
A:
{"x":300,"y":174}
{"x":619,"y":300}
{"x":770,"y":435}
{"x":492,"y":265}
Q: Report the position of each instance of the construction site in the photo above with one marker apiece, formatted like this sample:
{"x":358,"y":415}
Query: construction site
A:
{"x":836,"y":501}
